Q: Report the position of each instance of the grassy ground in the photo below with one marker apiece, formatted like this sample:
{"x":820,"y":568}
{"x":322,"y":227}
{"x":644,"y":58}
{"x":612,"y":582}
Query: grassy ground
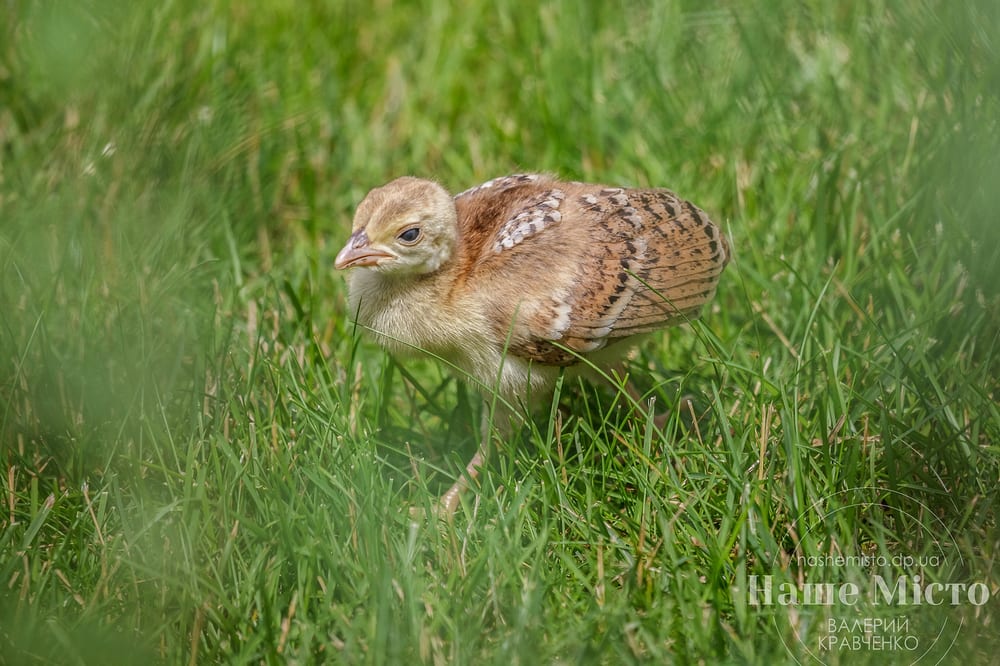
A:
{"x":203,"y":463}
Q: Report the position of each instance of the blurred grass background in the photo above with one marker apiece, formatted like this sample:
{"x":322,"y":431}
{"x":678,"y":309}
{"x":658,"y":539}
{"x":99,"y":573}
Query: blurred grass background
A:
{"x":203,"y":463}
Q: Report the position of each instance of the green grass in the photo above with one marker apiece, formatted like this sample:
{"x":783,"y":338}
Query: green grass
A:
{"x":204,"y":462}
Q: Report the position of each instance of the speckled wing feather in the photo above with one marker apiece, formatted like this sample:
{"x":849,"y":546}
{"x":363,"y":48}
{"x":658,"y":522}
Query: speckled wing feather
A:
{"x":624,"y":262}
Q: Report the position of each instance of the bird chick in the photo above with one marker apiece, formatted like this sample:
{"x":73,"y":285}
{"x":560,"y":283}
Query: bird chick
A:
{"x":514,"y":280}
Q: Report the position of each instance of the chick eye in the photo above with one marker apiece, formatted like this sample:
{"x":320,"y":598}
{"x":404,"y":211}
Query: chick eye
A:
{"x":411,"y":235}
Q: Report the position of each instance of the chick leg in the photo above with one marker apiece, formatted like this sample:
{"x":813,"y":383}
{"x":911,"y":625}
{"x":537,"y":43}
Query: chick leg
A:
{"x":448,"y":502}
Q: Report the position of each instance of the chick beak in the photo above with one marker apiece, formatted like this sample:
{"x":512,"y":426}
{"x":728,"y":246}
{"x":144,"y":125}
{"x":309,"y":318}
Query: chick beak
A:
{"x":359,"y":252}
